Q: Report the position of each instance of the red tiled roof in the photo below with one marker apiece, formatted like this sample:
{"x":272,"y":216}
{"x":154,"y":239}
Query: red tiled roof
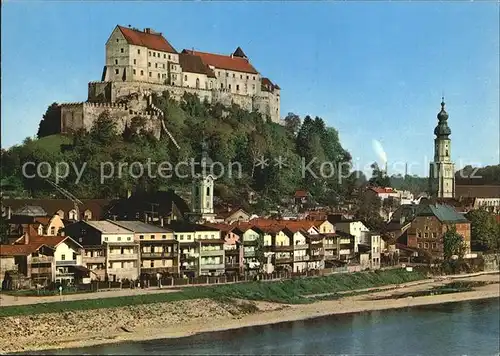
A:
{"x":19,"y":250}
{"x":267,"y":85}
{"x":221,"y":227}
{"x":50,"y":241}
{"x":236,"y":64}
{"x":194,"y":64}
{"x":300,"y":194}
{"x":380,"y":190}
{"x":153,"y":41}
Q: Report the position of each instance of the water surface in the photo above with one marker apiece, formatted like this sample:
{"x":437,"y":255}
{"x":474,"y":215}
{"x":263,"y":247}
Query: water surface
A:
{"x":464,"y":328}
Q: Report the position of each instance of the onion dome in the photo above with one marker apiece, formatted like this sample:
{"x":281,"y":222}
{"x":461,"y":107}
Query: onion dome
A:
{"x":442,"y":130}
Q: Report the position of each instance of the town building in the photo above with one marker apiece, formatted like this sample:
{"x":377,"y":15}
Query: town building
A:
{"x":159,"y":249}
{"x":442,"y":169}
{"x":120,"y":251}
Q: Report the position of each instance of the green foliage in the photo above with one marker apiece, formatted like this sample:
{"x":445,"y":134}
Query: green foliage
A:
{"x":287,"y":291}
{"x":368,"y":207}
{"x":414,"y":184}
{"x":486,"y":175}
{"x":485,"y":230}
{"x":233,"y":135}
{"x":453,"y":244}
{"x":379,"y":177}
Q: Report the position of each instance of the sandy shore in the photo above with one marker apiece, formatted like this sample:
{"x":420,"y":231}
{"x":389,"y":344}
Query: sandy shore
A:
{"x":185,"y":318}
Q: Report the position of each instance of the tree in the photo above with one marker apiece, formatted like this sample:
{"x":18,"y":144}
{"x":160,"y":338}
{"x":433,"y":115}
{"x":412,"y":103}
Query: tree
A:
{"x":51,"y":121}
{"x":485,"y":231}
{"x":104,"y":129}
{"x":292,"y":123}
{"x":368,"y":209}
{"x":453,"y":244}
{"x":4,"y":229}
{"x":379,"y":177}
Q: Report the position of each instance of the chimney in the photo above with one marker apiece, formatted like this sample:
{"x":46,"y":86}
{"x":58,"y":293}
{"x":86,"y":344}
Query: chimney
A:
{"x":147,"y":30}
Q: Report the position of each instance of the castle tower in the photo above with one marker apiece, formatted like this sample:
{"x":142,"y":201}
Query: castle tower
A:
{"x":202,"y":194}
{"x":442,"y":170}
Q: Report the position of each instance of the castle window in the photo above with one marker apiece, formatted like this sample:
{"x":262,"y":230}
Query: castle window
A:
{"x":227,"y":75}
{"x":254,"y":77}
{"x":229,"y":86}
{"x":138,"y":51}
{"x":142,"y":72}
{"x":164,"y":56}
{"x":241,"y":77}
{"x":150,"y":74}
{"x":117,"y":40}
{"x":185,"y":77}
{"x":169,"y":56}
{"x":247,"y":77}
{"x":158,"y":75}
{"x":237,"y":87}
{"x":122,"y":50}
{"x":163,"y":65}
{"x":149,"y":64}
{"x":221,"y":85}
{"x":135,"y":61}
{"x":234,"y":76}
{"x":149,"y":52}
{"x":156,"y":65}
{"x":116,"y":61}
{"x":154,"y":54}
{"x":208,"y":190}
{"x":253,"y":86}
{"x":116,"y":71}
{"x":134,"y":71}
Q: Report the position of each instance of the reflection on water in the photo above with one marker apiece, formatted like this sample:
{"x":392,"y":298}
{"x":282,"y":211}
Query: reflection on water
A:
{"x":470,"y":328}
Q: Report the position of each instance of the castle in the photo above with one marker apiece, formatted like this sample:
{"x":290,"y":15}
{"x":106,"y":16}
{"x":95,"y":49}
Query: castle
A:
{"x":140,"y":63}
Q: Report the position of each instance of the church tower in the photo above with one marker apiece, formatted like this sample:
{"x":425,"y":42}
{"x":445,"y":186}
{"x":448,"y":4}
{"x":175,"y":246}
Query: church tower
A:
{"x":202,"y":193}
{"x":442,"y":170}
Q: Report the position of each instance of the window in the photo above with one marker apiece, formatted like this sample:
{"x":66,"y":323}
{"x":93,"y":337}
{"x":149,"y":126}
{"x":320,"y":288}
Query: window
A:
{"x":116,"y":61}
{"x":164,"y":56}
{"x":152,"y":237}
{"x":169,"y":57}
{"x":426,"y":227}
{"x":138,"y":51}
{"x":419,"y":245}
{"x":134,"y":71}
{"x":254,"y":77}
{"x":434,"y":235}
{"x":182,"y":237}
{"x":74,"y":256}
{"x":163,"y":65}
{"x":426,"y":245}
{"x":229,"y":86}
{"x":185,"y":77}
{"x":152,"y":263}
{"x":158,"y":75}
{"x":164,"y":236}
{"x":117,"y":71}
{"x":241,"y":77}
{"x":142,"y":72}
{"x":247,"y":77}
{"x":105,"y":239}
{"x":135,"y":61}
{"x":221,"y":86}
{"x":119,"y":238}
{"x":117,"y":40}
{"x":149,"y":64}
{"x":149,"y":52}
{"x":237,"y":87}
{"x":253,"y":86}
{"x":156,"y":65}
{"x":227,"y":75}
{"x":121,"y":50}
{"x":434,"y":245}
{"x":63,"y":257}
{"x":52,"y":230}
{"x":128,"y":238}
{"x":234,"y":76}
{"x":141,"y":237}
{"x":426,"y":235}
{"x":150,"y":74}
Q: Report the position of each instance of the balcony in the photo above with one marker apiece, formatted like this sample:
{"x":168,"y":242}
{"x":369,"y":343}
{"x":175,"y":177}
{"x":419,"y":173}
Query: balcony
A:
{"x":300,"y":258}
{"x":41,"y":270}
{"x":66,"y":263}
{"x":232,"y":265}
{"x":301,"y":247}
{"x":212,"y":252}
{"x":344,"y":241}
{"x":158,"y":254}
{"x":153,"y":270}
{"x":42,"y":259}
{"x":213,"y":266}
{"x":330,"y":246}
{"x":123,"y":257}
{"x":282,"y":248}
{"x":316,"y":257}
{"x":345,"y":252}
{"x":189,"y":256}
{"x":94,"y":259}
{"x":316,"y":246}
{"x":280,"y":260}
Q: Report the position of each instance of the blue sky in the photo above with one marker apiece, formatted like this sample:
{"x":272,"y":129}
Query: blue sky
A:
{"x":371,"y":70}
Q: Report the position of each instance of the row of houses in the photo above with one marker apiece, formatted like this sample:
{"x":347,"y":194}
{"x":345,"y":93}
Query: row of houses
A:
{"x":130,"y":250}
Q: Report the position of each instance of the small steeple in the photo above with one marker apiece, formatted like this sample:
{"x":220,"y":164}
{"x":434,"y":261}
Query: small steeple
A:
{"x":442,"y":130}
{"x":239,"y":53}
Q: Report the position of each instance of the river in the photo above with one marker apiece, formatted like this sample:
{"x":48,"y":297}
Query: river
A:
{"x":464,"y":328}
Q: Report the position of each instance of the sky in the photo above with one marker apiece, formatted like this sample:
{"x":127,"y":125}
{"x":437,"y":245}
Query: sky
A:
{"x":374,"y":71}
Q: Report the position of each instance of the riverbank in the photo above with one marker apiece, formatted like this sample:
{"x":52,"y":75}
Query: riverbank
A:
{"x":184,"y":318}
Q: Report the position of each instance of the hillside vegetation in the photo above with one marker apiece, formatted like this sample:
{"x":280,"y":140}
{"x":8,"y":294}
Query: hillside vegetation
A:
{"x":232,"y":134}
